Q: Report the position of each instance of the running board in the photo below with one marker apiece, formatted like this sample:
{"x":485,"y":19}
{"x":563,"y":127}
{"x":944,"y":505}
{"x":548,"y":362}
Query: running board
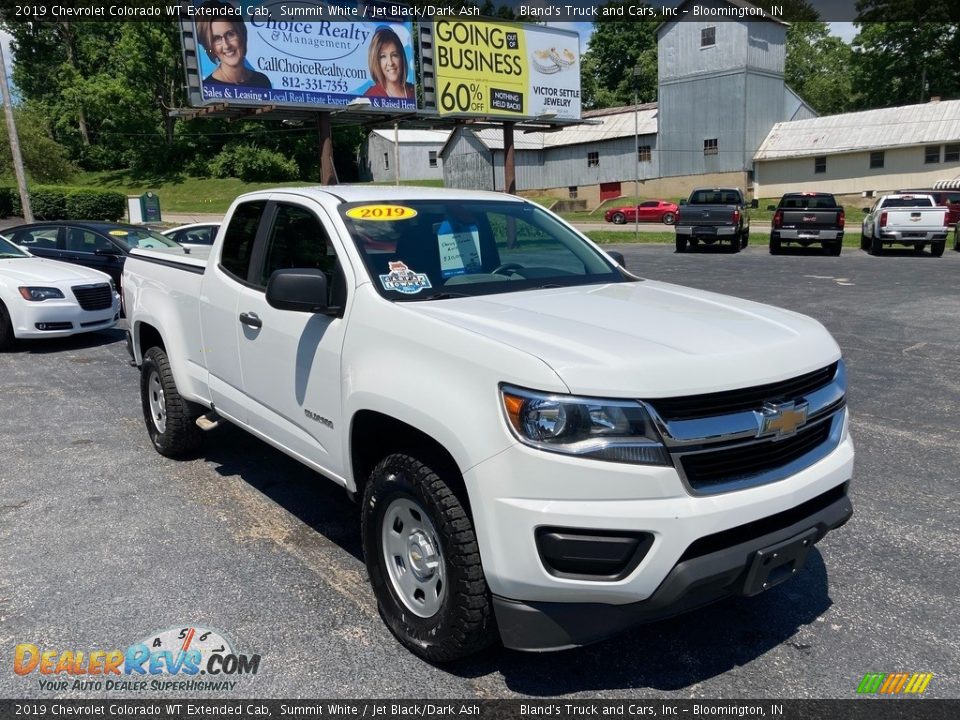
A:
{"x":209,"y":421}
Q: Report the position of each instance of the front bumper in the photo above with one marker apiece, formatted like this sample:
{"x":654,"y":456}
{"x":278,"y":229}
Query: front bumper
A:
{"x":27,"y":316}
{"x":699,"y":578}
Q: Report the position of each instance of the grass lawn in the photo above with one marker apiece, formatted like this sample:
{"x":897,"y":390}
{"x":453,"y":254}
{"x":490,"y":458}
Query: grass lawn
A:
{"x":192,"y":195}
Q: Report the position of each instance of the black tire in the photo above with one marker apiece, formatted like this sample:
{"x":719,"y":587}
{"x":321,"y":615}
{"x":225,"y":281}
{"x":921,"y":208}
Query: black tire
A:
{"x":619,"y":218}
{"x":171,"y":420}
{"x":745,"y":239}
{"x":918,"y":249}
{"x":876,"y":246}
{"x":774,"y":245}
{"x":834,"y":249}
{"x":681,"y":243}
{"x":937,"y":248}
{"x":669,"y":218}
{"x":463,"y":623}
{"x":956,"y":238}
{"x":864,"y":241}
{"x":6,"y":329}
{"x":735,"y":243}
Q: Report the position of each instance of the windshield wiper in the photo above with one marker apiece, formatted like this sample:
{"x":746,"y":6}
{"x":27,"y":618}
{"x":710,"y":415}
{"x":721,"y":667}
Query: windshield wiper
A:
{"x":444,"y":296}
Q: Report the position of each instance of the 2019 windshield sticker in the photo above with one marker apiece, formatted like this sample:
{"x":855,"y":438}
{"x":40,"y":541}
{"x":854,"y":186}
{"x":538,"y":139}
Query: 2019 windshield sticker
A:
{"x":404,"y":280}
{"x":381,"y":213}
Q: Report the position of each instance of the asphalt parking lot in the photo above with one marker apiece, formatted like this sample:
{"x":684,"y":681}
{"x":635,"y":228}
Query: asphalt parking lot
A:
{"x":103,"y":542}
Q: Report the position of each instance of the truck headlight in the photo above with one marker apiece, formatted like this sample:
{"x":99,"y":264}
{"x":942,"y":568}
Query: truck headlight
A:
{"x":35,"y":294}
{"x":600,"y":429}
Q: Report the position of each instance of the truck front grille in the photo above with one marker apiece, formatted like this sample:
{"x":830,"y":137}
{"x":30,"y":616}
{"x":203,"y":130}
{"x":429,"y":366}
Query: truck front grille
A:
{"x":731,"y":401}
{"x":93,"y":297}
{"x":705,"y":470}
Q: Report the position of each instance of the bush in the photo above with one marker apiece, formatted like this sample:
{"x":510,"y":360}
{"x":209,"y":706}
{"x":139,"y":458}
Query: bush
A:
{"x":252,"y":164}
{"x":96,"y":205}
{"x":51,"y":203}
{"x":48,"y":204}
{"x":9,"y":202}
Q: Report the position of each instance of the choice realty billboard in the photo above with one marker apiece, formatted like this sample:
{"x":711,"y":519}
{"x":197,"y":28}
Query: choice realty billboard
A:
{"x":498,"y":69}
{"x":312,"y":55}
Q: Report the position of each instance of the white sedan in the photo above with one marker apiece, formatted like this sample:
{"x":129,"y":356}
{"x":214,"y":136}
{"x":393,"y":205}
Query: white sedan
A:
{"x":42,"y":298}
{"x":196,"y":237}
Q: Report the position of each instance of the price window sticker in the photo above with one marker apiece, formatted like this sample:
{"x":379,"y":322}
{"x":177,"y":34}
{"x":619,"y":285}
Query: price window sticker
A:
{"x":459,"y":248}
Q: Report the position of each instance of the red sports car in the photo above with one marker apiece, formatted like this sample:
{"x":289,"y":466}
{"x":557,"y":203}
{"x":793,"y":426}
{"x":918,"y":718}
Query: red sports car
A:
{"x":650,"y":211}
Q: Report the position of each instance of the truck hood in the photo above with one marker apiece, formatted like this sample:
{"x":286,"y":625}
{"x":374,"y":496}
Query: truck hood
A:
{"x":646,"y":339}
{"x":40,"y":270}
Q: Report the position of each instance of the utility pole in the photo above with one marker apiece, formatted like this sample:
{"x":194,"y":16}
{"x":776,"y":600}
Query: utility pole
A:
{"x":15,"y":144}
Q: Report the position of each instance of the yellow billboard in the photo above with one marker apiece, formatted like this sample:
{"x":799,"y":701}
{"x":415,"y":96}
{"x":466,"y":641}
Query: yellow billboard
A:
{"x":510,"y":70}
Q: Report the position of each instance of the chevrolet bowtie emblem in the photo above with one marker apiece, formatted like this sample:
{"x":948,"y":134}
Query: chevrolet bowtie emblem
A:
{"x":782,"y":419}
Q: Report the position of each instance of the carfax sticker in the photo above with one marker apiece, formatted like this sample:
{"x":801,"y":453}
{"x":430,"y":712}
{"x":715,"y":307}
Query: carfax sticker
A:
{"x":381,"y":212}
{"x":404,"y":280}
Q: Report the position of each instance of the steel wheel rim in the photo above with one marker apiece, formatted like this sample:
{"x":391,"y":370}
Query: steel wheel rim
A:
{"x":157,"y":402}
{"x":413,"y":557}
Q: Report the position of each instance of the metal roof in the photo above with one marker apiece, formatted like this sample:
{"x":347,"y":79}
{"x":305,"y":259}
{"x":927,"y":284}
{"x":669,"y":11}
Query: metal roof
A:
{"x":610,"y":123}
{"x":436,"y":137}
{"x":932,"y":122}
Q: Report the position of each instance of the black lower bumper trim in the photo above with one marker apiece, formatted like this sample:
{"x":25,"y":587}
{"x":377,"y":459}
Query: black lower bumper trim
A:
{"x":693,"y":583}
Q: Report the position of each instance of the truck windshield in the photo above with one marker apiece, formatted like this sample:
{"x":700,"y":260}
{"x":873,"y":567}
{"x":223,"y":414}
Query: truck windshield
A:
{"x":714,"y":197}
{"x":438,"y":249}
{"x":908,"y":202}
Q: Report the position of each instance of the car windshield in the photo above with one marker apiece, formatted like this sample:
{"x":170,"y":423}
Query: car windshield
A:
{"x":141,"y":238}
{"x":438,"y":249}
{"x":9,"y":250}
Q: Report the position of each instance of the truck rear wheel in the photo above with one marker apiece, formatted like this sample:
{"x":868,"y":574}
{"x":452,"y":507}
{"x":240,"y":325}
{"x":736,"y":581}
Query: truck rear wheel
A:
{"x":834,"y":249}
{"x":735,"y":243}
{"x":681,"y":244}
{"x":876,"y":246}
{"x":774,"y":245}
{"x":170,"y":420}
{"x":937,"y":248}
{"x":424,"y":562}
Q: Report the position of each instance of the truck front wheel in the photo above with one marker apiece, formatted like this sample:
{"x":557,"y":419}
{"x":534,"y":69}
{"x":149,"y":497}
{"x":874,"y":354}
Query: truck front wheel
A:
{"x":424,"y":562}
{"x":170,"y":420}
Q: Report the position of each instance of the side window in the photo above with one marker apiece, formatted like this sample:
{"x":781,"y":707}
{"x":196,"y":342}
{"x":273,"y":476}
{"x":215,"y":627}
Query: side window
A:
{"x":45,"y":238}
{"x":79,"y":240}
{"x":297,"y":240}
{"x":238,"y":242}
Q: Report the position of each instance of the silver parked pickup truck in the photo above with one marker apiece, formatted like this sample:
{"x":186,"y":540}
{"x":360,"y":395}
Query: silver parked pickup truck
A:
{"x":911,"y":220}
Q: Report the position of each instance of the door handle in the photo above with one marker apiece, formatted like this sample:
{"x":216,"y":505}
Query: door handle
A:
{"x":251,"y":319}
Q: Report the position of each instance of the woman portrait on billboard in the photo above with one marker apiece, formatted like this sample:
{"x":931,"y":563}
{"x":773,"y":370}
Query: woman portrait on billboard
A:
{"x":226,"y":44}
{"x":388,"y":66}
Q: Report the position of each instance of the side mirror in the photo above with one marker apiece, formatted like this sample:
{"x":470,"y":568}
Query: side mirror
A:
{"x":300,"y":290}
{"x":755,"y":204}
{"x":866,"y":210}
{"x":771,"y":207}
{"x":617,"y":258}
{"x":683,"y":202}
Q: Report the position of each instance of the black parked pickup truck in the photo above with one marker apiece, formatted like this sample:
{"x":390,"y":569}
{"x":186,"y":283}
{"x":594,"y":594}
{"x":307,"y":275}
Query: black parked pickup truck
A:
{"x":806,"y":218}
{"x":712,"y":215}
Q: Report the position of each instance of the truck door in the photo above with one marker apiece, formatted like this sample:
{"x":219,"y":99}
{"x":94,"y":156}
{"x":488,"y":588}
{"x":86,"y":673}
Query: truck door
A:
{"x":226,"y":277}
{"x":291,"y":360}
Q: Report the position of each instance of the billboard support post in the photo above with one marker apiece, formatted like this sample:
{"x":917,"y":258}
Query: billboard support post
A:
{"x":328,"y":173}
{"x":509,"y":168}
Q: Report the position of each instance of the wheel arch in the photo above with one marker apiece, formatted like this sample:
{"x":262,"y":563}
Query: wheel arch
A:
{"x":375,"y":435}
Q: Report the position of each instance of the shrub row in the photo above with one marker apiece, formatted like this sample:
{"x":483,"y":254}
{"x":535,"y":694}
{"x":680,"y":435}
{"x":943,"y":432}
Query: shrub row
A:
{"x":60,"y":203}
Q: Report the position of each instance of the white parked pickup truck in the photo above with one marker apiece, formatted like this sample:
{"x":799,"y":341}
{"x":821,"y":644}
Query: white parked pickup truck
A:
{"x":537,"y":450}
{"x":911,"y":220}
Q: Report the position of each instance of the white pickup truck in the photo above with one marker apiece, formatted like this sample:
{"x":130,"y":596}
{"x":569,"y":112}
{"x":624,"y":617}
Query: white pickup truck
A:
{"x":905,"y":219}
{"x":537,"y":450}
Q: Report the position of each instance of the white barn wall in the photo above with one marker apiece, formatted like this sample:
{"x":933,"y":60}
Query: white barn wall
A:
{"x":850,"y":173}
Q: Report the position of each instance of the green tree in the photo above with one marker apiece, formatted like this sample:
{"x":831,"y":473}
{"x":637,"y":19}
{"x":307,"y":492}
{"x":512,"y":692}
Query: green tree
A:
{"x":607,"y":68}
{"x":905,"y":62}
{"x":818,"y":67}
{"x":44,"y":160}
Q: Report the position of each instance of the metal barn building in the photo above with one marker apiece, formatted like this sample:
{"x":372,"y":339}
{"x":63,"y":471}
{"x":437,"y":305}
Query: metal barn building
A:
{"x":870,"y":152}
{"x":592,"y":161}
{"x":418,"y":156}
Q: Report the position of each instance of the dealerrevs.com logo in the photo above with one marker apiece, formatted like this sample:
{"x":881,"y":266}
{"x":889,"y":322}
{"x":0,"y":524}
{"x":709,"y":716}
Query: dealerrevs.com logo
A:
{"x":188,"y":659}
{"x":894,"y":683}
